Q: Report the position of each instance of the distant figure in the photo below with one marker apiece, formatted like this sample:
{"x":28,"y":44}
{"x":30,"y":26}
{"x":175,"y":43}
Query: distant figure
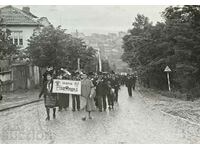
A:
{"x":49,"y":97}
{"x":115,"y":85}
{"x":111,"y":96}
{"x":129,"y":84}
{"x":134,"y":81}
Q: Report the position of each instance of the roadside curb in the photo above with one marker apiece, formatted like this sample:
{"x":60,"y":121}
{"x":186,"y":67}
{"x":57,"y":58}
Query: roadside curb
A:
{"x":181,"y":118}
{"x":173,"y":116}
{"x":4,"y":108}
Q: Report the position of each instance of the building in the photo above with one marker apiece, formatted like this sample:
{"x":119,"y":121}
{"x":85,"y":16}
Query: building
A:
{"x":22,"y":24}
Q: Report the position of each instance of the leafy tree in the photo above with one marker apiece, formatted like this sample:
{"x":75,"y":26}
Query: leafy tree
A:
{"x":7,"y":48}
{"x":53,"y":47}
{"x":149,"y":48}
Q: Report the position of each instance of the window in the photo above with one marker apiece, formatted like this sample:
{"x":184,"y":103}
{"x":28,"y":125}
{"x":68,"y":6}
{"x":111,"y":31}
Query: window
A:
{"x":17,"y":38}
{"x":20,"y":41}
{"x":15,"y":41}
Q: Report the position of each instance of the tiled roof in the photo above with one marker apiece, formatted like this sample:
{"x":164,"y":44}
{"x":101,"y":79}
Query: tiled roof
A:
{"x":10,"y":15}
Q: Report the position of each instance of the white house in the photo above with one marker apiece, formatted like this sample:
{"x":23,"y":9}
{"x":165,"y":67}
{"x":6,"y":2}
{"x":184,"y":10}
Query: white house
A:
{"x":22,"y":24}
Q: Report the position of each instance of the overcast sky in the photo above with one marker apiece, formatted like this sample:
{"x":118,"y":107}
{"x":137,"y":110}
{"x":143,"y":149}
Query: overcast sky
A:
{"x":96,"y":19}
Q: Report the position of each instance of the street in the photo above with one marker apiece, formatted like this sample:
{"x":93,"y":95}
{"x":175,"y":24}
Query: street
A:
{"x":132,"y":121}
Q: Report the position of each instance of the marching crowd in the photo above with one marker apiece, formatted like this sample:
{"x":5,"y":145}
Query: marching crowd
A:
{"x":99,"y":90}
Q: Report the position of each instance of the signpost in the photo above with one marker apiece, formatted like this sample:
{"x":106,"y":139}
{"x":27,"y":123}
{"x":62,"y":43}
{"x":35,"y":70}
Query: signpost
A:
{"x":100,"y":63}
{"x":168,"y":70}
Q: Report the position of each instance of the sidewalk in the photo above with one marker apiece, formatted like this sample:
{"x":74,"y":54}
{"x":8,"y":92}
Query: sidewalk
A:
{"x":19,"y":98}
{"x":187,"y":110}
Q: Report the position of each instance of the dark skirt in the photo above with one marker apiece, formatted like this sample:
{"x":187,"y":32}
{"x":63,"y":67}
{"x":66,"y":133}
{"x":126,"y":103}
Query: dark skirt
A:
{"x":50,"y":101}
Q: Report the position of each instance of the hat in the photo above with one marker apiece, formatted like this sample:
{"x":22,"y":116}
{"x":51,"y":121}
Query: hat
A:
{"x":90,"y":73}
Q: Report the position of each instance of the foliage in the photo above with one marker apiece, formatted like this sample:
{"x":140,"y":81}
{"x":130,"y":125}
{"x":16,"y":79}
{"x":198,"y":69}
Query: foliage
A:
{"x":53,"y":47}
{"x":150,"y":48}
{"x":7,"y":48}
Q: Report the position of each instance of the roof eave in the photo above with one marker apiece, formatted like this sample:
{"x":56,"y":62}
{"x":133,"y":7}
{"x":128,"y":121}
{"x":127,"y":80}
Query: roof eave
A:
{"x":4,"y":24}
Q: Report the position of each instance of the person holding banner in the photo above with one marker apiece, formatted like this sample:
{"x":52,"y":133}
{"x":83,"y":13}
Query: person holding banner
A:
{"x":88,"y":93}
{"x":49,"y":97}
{"x":63,"y":98}
{"x":75,"y":98}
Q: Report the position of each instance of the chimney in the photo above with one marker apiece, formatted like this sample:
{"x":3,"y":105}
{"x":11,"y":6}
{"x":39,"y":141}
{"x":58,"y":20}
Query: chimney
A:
{"x":26,"y":9}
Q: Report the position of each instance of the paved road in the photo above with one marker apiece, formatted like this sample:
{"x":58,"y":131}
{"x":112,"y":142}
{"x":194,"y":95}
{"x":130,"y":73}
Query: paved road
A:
{"x":132,"y":121}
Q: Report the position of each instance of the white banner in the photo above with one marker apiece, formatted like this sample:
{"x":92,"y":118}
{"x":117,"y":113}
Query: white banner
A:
{"x":67,"y":86}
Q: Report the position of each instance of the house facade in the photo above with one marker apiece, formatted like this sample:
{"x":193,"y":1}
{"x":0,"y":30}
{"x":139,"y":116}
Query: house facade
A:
{"x":22,"y":24}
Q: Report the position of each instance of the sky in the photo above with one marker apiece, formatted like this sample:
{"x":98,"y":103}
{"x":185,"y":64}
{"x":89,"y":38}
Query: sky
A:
{"x":96,"y":18}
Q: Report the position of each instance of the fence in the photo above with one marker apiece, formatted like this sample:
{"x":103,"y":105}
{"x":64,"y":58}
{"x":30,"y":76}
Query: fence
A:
{"x":6,"y":83}
{"x":20,"y":76}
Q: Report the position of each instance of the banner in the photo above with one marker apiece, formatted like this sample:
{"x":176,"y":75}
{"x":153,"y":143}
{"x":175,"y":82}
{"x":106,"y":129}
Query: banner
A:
{"x":67,"y":86}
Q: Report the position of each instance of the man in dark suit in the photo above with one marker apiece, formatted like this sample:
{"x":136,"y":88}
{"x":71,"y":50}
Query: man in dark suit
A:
{"x":115,"y":85}
{"x":129,"y":84}
{"x":101,"y":92}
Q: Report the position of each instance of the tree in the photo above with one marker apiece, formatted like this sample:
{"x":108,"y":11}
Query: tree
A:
{"x":176,"y":42}
{"x":7,"y":48}
{"x":53,"y":47}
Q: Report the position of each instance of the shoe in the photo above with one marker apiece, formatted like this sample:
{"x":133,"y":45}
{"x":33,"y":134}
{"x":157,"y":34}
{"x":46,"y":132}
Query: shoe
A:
{"x":54,"y":116}
{"x":90,"y":117}
{"x":73,"y":110}
{"x":47,"y":118}
{"x":84,"y":118}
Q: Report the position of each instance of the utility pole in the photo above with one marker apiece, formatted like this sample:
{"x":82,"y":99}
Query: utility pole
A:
{"x":100,"y":63}
{"x":79,"y":68}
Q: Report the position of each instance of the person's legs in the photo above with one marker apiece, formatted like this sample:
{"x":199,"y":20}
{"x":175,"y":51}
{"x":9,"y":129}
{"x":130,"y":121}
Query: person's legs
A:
{"x":99,"y":103}
{"x":133,"y":86}
{"x":67,"y":104}
{"x":112,"y":101}
{"x":54,"y":113}
{"x":59,"y":98}
{"x":129,"y":91}
{"x":73,"y":102}
{"x":96,"y":101}
{"x":66,"y":101}
{"x":116,"y":94}
{"x":48,"y":111}
{"x":104,"y":102}
{"x":109,"y":101}
{"x":78,"y":102}
{"x":89,"y":115}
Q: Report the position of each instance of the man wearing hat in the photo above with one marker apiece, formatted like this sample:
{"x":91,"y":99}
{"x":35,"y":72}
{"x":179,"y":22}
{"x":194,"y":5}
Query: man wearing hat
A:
{"x":75,"y":98}
{"x":101,"y":92}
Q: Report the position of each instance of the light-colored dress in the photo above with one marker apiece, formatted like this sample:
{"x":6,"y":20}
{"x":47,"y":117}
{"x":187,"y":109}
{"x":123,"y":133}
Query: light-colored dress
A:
{"x":87,"y":88}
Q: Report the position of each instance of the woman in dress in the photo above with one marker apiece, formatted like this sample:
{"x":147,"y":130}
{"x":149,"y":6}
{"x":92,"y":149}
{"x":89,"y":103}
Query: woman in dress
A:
{"x":88,"y":92}
{"x":49,"y":97}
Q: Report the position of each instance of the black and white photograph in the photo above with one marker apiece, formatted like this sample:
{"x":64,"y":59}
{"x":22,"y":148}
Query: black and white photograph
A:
{"x":99,"y":74}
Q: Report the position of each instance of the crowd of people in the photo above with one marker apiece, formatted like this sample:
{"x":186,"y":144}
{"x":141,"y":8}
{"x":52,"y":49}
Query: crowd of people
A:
{"x":99,"y":90}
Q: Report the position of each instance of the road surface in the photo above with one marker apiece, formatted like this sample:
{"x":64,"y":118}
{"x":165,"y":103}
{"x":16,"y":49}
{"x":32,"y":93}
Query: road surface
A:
{"x":132,"y":121}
